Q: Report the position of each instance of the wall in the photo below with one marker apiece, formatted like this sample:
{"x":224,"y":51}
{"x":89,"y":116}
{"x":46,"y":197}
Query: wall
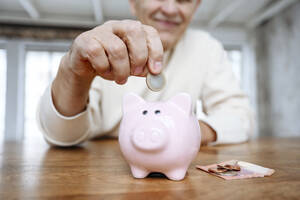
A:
{"x":278,"y":74}
{"x":10,"y":31}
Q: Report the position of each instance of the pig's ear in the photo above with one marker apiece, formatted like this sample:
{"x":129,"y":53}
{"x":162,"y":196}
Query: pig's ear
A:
{"x":183,"y":101}
{"x":130,"y":101}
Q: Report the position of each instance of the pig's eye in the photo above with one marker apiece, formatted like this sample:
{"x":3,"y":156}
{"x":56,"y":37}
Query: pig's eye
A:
{"x":157,"y":112}
{"x":145,"y":112}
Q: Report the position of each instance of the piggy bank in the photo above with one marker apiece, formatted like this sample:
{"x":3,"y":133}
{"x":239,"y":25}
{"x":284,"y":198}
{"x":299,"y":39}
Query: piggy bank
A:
{"x":159,"y":137}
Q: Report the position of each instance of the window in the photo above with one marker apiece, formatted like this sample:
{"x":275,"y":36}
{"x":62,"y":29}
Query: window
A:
{"x":41,"y":68}
{"x":235,"y":56}
{"x":2,"y":91}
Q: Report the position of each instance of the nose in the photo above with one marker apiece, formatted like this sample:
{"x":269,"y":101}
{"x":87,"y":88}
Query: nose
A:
{"x":169,"y":8}
{"x":153,"y":139}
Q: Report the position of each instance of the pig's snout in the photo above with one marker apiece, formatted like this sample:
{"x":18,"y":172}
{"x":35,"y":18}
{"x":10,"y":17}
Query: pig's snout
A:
{"x":151,"y":139}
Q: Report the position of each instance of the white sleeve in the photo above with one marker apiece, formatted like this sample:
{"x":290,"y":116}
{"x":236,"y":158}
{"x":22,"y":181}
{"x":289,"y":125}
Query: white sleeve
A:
{"x":58,"y":129}
{"x":226,"y":107}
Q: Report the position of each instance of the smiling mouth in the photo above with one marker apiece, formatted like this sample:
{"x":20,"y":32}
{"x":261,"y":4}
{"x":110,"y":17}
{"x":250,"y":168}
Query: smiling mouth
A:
{"x":167,"y":24}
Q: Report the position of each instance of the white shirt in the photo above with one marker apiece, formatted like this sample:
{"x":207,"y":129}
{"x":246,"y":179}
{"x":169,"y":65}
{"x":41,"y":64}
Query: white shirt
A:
{"x":198,"y":66}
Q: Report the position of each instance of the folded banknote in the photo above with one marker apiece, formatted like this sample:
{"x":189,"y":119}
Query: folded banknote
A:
{"x":234,"y":169}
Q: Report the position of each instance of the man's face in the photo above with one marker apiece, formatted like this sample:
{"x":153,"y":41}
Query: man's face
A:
{"x":169,"y":17}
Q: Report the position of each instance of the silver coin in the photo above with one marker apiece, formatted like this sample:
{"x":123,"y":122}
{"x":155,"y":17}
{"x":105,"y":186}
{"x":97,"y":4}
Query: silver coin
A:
{"x":155,"y":82}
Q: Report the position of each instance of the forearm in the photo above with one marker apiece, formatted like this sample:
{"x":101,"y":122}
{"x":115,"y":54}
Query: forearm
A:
{"x":208,"y":135}
{"x":69,"y":91}
{"x":58,"y":129}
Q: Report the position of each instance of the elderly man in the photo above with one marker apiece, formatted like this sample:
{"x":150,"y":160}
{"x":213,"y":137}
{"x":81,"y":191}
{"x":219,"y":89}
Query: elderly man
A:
{"x":84,"y":101}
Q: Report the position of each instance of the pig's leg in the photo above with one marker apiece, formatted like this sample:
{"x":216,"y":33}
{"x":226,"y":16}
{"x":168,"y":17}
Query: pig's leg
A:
{"x":176,"y":174}
{"x":139,"y":172}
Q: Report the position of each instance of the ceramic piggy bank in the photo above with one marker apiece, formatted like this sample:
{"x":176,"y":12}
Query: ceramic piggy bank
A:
{"x":159,"y":137}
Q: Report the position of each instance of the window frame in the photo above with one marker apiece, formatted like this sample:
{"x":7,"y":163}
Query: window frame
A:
{"x":3,"y":46}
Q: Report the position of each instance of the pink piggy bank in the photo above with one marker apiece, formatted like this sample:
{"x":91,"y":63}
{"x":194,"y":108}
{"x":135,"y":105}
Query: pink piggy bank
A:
{"x":159,"y":136}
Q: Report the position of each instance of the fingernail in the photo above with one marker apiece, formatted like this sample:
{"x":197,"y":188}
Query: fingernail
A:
{"x":122,"y":82}
{"x":138,"y":70}
{"x":157,"y":66}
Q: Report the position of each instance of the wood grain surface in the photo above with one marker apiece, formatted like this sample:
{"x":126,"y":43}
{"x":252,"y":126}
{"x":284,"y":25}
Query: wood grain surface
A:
{"x":97,"y":170}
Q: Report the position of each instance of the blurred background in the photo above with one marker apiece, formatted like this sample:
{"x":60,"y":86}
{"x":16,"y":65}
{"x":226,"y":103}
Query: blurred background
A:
{"x":262,"y":38}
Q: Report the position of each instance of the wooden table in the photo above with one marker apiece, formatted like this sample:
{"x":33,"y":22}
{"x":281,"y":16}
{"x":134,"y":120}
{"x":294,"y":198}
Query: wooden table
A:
{"x":97,"y":170}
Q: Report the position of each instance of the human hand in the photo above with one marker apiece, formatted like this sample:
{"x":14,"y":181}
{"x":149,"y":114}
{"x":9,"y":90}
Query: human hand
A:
{"x":115,"y":51}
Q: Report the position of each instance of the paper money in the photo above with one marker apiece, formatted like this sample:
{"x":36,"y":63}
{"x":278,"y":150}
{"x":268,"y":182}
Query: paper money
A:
{"x":235,"y":169}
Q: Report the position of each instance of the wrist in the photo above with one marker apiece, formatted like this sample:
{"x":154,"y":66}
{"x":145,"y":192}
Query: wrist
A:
{"x":208,"y":134}
{"x":70,"y":91}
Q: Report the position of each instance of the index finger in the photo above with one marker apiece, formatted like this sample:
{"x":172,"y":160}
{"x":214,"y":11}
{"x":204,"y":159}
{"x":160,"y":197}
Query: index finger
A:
{"x":155,"y":50}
